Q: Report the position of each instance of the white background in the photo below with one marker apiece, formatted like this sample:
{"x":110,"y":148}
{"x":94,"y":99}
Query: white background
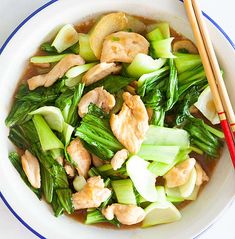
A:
{"x":12,"y":12}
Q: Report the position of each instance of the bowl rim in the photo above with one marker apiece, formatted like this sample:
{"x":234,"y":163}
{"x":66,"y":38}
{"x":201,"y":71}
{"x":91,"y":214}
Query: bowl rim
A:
{"x":12,"y":34}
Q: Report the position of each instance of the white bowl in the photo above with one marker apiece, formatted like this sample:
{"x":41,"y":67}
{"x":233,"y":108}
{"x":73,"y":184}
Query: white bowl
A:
{"x":36,"y":215}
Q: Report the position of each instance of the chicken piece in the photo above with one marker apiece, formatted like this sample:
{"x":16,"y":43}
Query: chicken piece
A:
{"x":119,"y":158}
{"x":100,"y":71}
{"x":69,"y":169}
{"x":31,"y":168}
{"x":131,"y":90}
{"x":92,"y":194}
{"x":131,"y":124}
{"x":123,"y":47}
{"x":57,"y":72}
{"x":201,"y":175}
{"x":185,"y":44}
{"x":80,"y":156}
{"x":126,"y":214}
{"x":100,"y":97}
{"x":97,"y":161}
{"x":179,"y":174}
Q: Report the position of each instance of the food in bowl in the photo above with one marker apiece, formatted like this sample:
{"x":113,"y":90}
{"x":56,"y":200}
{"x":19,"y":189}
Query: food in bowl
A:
{"x":113,"y":122}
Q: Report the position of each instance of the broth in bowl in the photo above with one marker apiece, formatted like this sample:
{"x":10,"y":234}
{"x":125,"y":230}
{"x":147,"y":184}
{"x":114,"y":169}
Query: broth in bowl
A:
{"x":115,"y":122}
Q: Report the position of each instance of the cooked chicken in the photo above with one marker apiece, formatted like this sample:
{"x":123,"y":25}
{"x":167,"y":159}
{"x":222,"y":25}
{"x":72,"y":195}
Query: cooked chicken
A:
{"x":70,"y":170}
{"x":131,"y":90}
{"x":179,"y":174}
{"x":57,"y":72}
{"x":126,"y":214}
{"x":31,"y":168}
{"x":97,"y":161}
{"x":119,"y":158}
{"x":80,"y":156}
{"x":185,"y":44}
{"x":123,"y":47}
{"x":100,"y":97}
{"x":131,"y":124}
{"x":92,"y":195}
{"x":100,"y":71}
{"x":201,"y":175}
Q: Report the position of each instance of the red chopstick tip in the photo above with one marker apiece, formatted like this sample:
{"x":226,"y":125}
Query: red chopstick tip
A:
{"x":229,"y":139}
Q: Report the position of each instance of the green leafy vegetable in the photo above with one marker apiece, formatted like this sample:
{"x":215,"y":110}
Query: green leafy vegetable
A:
{"x":47,"y":47}
{"x":162,"y":48}
{"x":201,"y":137}
{"x":172,"y":89}
{"x":27,"y":101}
{"x":148,"y":82}
{"x":124,"y":191}
{"x":97,"y":134}
{"x":47,"y":138}
{"x":65,"y":198}
{"x":185,"y":61}
{"x":56,"y":205}
{"x":47,"y":184}
{"x":68,"y":103}
{"x":111,"y":83}
{"x":47,"y":59}
{"x":95,"y":216}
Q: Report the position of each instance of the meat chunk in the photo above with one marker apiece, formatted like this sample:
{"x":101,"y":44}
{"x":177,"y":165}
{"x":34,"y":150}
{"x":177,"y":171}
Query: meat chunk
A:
{"x":119,"y":158}
{"x":97,"y":161}
{"x":69,"y":169}
{"x":100,"y":71}
{"x":31,"y":168}
{"x":123,"y":47}
{"x":80,"y":156}
{"x":179,"y":174}
{"x":201,"y":175}
{"x":126,"y":214}
{"x":92,"y":194}
{"x":57,"y":72}
{"x":100,"y":97}
{"x":131,"y":124}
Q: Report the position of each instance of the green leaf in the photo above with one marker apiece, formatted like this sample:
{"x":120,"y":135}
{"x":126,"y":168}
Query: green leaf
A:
{"x":172,"y":89}
{"x":96,"y":132}
{"x":47,"y":184}
{"x":27,"y":101}
{"x":112,"y":83}
{"x":124,"y":191}
{"x":65,"y":198}
{"x":68,"y":103}
{"x":47,"y":138}
{"x":95,"y":216}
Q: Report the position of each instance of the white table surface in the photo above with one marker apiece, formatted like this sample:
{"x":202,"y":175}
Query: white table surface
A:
{"x":12,"y":12}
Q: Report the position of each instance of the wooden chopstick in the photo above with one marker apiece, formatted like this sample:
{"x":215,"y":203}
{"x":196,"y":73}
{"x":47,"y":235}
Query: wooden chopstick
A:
{"x":215,"y":66}
{"x":211,"y":78}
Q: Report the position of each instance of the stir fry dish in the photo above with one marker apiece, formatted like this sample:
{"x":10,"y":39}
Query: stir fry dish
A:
{"x":114,"y":121}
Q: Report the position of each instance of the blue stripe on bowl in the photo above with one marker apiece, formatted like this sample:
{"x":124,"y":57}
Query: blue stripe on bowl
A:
{"x":3,"y":47}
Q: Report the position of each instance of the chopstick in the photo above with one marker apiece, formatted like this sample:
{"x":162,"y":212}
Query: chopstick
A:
{"x":215,"y":66}
{"x":193,"y":18}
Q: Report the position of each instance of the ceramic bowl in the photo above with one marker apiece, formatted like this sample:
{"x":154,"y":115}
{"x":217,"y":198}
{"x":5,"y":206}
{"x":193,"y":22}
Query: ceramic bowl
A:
{"x":40,"y":26}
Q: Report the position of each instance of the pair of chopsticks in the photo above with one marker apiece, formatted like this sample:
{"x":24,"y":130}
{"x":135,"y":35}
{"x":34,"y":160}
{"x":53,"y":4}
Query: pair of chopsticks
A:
{"x":213,"y":73}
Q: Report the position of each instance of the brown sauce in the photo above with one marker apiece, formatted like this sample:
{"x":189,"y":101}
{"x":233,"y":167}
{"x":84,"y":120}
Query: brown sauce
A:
{"x":207,"y":164}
